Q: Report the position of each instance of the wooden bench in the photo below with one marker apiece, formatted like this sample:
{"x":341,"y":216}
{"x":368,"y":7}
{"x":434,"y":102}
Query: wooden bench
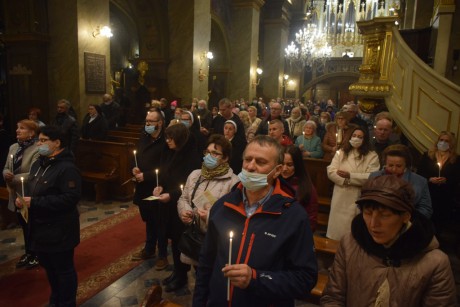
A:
{"x":317,"y":291}
{"x":122,"y":139}
{"x":325,"y":245}
{"x":124,"y":133}
{"x":153,"y":298}
{"x":107,"y":165}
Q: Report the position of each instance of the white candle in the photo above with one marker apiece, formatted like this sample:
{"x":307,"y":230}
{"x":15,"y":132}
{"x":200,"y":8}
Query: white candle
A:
{"x":199,"y":120}
{"x":439,"y":168}
{"x":135,"y":158}
{"x":156,"y":174}
{"x":22,"y":185}
{"x":182,"y":188}
{"x":11,"y":156}
{"x":229,"y":263}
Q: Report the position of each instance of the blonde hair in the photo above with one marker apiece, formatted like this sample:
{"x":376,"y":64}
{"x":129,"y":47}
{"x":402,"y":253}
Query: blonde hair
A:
{"x":452,"y":146}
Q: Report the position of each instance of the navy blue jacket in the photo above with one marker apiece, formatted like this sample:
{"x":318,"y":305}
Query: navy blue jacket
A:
{"x":276,"y":242}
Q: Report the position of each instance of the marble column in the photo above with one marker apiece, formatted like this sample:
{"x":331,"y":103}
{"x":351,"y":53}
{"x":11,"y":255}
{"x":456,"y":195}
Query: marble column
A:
{"x":245,"y":46}
{"x":443,"y":25}
{"x":190,"y":33}
{"x":276,"y":31}
{"x":72,"y":31}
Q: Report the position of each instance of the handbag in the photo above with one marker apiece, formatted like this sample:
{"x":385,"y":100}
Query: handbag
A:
{"x":191,"y":241}
{"x":192,"y":238}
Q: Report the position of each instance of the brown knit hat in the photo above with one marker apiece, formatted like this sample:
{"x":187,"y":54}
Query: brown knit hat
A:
{"x":389,"y":191}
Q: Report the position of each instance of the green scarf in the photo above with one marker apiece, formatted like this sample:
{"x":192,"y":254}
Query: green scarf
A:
{"x":209,"y":174}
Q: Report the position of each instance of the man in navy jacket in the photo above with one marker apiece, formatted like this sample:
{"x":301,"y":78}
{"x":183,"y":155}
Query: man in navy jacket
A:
{"x":272,"y":258}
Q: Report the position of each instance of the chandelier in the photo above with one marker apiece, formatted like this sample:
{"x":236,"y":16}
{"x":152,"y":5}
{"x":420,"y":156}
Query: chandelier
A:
{"x":331,"y":30}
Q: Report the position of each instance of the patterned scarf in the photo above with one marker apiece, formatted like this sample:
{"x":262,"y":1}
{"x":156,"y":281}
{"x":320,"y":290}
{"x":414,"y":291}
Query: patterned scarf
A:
{"x":209,"y":174}
{"x":17,"y":161}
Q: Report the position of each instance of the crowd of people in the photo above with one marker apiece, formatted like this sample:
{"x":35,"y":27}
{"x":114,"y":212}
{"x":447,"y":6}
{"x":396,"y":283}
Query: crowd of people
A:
{"x":237,"y":172}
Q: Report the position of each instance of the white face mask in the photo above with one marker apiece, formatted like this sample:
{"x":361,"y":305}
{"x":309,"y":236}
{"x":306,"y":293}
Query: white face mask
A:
{"x":356,"y":142}
{"x":443,"y":146}
{"x":253,"y":181}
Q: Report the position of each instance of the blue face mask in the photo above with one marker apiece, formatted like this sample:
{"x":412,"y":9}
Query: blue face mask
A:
{"x":149,"y":129}
{"x":210,"y":161}
{"x":186,"y":123}
{"x":253,"y":181}
{"x":443,"y":146}
{"x":44,"y":150}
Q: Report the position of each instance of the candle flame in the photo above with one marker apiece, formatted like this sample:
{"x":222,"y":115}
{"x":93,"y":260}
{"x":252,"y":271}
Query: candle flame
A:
{"x":231,"y":234}
{"x":181,"y":186}
{"x":198,"y":116}
{"x":134,"y":151}
{"x":22,"y":179}
{"x":439,"y":164}
{"x":156,"y":171}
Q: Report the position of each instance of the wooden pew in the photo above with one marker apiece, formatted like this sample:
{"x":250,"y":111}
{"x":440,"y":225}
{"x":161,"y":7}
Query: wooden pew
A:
{"x":122,"y":139}
{"x":107,"y":165}
{"x":317,"y":169}
{"x":124,"y":133}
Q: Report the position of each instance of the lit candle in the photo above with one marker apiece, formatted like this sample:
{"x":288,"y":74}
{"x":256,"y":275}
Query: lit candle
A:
{"x":182,"y":188}
{"x":439,"y":169}
{"x":156,"y":174}
{"x":135,"y":158}
{"x":199,"y":120}
{"x":22,"y":185}
{"x":336,"y":138}
{"x":229,"y":263}
{"x":11,"y":156}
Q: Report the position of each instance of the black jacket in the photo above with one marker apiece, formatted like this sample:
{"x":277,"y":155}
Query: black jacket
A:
{"x":95,"y":130}
{"x":55,"y":187}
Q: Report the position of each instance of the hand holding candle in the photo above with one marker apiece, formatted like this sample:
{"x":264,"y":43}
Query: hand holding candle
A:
{"x":229,"y":263}
{"x":135,"y":157}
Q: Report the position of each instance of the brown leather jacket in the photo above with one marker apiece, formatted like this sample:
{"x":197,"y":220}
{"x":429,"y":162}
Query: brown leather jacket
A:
{"x":362,"y":275}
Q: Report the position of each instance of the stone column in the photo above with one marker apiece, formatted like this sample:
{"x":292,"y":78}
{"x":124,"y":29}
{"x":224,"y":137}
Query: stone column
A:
{"x":190,"y":33}
{"x":442,"y":23}
{"x":276,"y":33}
{"x":245,"y":45}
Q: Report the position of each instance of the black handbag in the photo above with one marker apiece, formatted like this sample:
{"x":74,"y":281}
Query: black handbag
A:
{"x":192,"y":238}
{"x":191,"y":241}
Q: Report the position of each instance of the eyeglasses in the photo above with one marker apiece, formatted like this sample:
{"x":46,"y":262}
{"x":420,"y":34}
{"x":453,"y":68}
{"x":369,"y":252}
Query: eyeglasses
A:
{"x":43,"y":140}
{"x":149,"y":122}
{"x":213,"y":153}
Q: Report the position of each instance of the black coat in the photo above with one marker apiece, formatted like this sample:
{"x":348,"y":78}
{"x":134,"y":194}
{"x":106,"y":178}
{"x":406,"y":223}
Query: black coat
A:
{"x":55,"y":187}
{"x":238,"y":147}
{"x":149,"y":155}
{"x":95,"y":130}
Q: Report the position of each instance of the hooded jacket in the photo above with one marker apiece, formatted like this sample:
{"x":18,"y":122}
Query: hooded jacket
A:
{"x":412,"y":272}
{"x":55,"y":187}
{"x":276,"y":242}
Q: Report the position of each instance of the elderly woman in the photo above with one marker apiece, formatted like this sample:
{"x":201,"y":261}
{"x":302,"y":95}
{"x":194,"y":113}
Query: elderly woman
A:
{"x":238,"y":145}
{"x":94,"y":125}
{"x":441,"y":167}
{"x":176,"y":165}
{"x":16,"y":174}
{"x":296,"y":123}
{"x":255,"y":121}
{"x":349,"y":170}
{"x":398,"y":162}
{"x":391,"y":257}
{"x":337,"y":134}
{"x":54,"y":190}
{"x":309,"y":143}
{"x":206,"y":185}
{"x":303,"y":189}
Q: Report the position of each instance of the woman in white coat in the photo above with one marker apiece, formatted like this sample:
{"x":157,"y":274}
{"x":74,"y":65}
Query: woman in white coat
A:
{"x":206,"y":185}
{"x":349,"y":170}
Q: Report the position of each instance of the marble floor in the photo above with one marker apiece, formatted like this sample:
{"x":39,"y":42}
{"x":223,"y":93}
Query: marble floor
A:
{"x":130,"y":289}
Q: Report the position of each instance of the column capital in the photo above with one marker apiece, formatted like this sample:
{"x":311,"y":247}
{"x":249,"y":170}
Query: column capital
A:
{"x":255,"y":4}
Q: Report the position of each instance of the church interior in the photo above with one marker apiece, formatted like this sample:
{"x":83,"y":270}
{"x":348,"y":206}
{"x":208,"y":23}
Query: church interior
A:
{"x":400,"y":56}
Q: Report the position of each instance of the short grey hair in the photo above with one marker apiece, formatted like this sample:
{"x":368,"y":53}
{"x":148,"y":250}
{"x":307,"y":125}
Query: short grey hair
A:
{"x":66,"y":102}
{"x":266,"y":141}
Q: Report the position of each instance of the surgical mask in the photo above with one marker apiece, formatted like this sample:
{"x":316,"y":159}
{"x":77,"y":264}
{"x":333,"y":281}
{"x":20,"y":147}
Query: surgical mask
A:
{"x":443,"y":146}
{"x":323,"y":120}
{"x":253,"y":181}
{"x":149,"y":129}
{"x":200,"y":108}
{"x":356,"y":142}
{"x":44,"y":150}
{"x":186,"y":123}
{"x":210,"y":161}
{"x":173,"y":108}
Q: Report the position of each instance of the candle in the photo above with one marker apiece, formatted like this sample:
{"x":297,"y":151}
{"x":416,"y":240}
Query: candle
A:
{"x":199,"y":120}
{"x":439,"y":169}
{"x":156,"y":174}
{"x":135,"y":158}
{"x":229,"y":263}
{"x":182,"y":188}
{"x":336,"y":138}
{"x":11,"y":156}
{"x":22,"y":185}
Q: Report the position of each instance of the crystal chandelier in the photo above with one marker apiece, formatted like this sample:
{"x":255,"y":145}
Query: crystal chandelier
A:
{"x":331,"y":30}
